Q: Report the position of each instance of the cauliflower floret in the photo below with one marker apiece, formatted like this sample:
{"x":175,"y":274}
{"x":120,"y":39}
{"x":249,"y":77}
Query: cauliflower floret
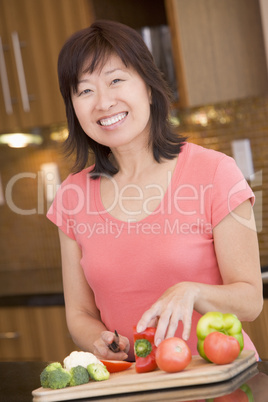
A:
{"x":80,"y":359}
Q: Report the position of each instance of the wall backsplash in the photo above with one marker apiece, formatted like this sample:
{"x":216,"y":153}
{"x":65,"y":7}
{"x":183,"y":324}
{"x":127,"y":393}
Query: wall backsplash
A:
{"x":29,"y":247}
{"x":216,"y":126}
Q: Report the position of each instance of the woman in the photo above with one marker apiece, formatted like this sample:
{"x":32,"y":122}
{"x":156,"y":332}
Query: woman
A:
{"x":158,"y":231}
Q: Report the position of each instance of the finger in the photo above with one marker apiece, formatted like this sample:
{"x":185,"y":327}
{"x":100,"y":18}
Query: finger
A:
{"x":147,"y":317}
{"x":107,"y":337}
{"x":124,"y":344}
{"x":187,"y":319}
{"x":116,"y":356}
{"x":101,"y":351}
{"x":173,"y":323}
{"x":162,"y":326}
{"x":187,"y":324}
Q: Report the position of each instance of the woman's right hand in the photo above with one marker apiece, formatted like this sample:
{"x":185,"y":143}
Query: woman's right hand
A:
{"x":101,"y":347}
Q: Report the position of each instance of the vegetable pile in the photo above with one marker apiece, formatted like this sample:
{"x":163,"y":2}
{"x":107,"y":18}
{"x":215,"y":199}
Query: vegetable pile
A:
{"x":220,"y":337}
{"x":220,"y":341}
{"x":79,"y":368}
{"x":172,"y":355}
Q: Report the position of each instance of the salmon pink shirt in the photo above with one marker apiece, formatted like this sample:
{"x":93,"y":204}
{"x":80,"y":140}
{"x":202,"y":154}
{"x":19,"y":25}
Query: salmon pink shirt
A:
{"x":129,"y":265}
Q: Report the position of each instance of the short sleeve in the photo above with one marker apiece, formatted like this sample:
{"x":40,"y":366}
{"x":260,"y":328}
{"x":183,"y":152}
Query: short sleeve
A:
{"x":66,"y":204}
{"x":230,"y":189}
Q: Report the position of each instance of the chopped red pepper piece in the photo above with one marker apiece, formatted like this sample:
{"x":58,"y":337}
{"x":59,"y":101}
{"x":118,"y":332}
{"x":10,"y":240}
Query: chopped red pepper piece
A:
{"x":144,"y":349}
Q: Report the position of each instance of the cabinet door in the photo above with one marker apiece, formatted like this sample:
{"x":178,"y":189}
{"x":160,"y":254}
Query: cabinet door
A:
{"x":218,"y":50}
{"x":52,"y":332}
{"x":36,"y":31}
{"x":258,"y":330}
{"x":9,"y":116}
{"x":34,"y":333}
{"x":18,"y":340}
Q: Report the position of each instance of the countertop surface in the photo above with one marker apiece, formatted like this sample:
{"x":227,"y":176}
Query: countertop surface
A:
{"x":57,"y":299}
{"x":19,"y":379}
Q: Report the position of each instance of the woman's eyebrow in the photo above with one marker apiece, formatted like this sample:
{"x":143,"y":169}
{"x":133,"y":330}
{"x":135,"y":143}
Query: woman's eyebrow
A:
{"x":87,"y":80}
{"x":83,"y":80}
{"x":114,"y":70}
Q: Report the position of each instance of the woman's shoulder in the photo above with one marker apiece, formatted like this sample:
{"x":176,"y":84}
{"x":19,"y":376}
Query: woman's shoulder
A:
{"x":206,"y":158}
{"x":78,"y":178}
{"x":203,"y":163}
{"x":198,"y":151}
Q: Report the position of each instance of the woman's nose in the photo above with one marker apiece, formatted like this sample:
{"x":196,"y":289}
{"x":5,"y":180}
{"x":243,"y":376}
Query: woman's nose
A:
{"x":105,"y":99}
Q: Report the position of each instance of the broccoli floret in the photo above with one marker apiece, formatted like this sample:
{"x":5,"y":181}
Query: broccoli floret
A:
{"x":58,"y":378}
{"x":79,"y":375}
{"x":46,"y":371}
{"x":98,"y":372}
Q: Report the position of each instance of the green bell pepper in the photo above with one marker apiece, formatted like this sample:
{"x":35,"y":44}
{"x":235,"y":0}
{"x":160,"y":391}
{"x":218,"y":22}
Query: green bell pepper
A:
{"x":213,"y":321}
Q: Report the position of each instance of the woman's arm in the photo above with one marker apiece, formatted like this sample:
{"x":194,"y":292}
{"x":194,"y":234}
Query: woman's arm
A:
{"x":83,"y":317}
{"x":236,"y":247}
{"x":237,"y":251}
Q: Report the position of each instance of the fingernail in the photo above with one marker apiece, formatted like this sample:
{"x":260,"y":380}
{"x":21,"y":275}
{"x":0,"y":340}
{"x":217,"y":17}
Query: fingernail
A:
{"x":158,"y":341}
{"x":140,"y":328}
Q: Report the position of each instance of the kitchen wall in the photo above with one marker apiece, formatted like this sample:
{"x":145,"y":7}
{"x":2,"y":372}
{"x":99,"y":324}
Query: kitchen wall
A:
{"x":29,"y":248}
{"x":216,"y":126}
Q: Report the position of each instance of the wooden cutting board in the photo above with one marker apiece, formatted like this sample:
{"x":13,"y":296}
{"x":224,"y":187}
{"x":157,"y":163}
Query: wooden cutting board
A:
{"x":198,"y":372}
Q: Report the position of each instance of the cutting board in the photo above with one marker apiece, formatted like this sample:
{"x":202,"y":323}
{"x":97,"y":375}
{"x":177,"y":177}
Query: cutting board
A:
{"x":198,"y":372}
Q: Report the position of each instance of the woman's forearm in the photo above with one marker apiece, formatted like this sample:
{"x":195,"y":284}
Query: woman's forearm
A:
{"x":84,"y":330}
{"x":243,"y":299}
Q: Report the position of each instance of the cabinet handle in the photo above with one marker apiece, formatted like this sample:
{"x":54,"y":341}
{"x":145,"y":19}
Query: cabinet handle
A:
{"x":9,"y":335}
{"x":20,"y":71}
{"x":4,"y":80}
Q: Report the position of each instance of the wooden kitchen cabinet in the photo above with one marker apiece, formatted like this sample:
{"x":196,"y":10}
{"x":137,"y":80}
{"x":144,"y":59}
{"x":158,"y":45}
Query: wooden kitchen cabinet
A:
{"x":219,"y":50}
{"x":18,"y":340}
{"x":34,"y":333}
{"x":258,"y":331}
{"x":32,"y":34}
{"x":217,"y":46}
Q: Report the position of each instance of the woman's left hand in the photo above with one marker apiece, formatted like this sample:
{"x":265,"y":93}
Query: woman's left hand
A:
{"x":102,"y":350}
{"x":176,"y":304}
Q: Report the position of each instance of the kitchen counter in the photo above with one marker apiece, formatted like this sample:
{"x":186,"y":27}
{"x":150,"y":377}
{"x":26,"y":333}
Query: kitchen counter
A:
{"x":50,"y":299}
{"x":19,"y":379}
{"x":57,"y":299}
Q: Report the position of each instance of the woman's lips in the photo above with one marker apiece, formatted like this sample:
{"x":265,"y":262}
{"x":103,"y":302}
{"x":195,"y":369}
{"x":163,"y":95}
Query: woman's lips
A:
{"x":109,"y":121}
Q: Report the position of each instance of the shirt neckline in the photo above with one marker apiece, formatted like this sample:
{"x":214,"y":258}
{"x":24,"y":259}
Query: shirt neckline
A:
{"x":106,"y":216}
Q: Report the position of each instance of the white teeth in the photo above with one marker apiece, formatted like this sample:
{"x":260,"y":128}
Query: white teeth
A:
{"x":112,"y":120}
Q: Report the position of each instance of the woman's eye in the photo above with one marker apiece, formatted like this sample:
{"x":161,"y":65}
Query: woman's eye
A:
{"x":116,"y":80}
{"x":85,"y":91}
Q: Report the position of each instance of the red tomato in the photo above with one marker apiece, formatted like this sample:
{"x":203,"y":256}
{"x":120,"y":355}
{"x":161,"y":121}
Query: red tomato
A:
{"x":113,"y":366}
{"x":220,"y":348}
{"x":173,"y":354}
{"x":236,"y":396}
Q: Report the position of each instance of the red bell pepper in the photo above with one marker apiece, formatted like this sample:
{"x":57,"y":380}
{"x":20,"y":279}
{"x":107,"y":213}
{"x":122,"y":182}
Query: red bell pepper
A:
{"x":144,"y":349}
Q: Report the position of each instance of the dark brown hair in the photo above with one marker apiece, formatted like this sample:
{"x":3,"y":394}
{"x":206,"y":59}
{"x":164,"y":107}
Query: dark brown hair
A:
{"x":94,"y":45}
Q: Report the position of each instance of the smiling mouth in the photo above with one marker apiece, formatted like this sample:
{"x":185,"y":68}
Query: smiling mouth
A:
{"x":112,"y":120}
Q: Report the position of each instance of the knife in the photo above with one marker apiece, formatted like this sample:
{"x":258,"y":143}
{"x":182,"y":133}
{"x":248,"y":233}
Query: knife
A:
{"x":114,"y":346}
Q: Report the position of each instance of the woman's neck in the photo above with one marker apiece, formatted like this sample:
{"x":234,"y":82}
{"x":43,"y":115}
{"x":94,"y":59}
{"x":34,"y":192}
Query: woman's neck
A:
{"x":132,"y":163}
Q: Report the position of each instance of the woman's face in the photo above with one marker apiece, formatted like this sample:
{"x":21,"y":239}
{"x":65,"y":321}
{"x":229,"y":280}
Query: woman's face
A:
{"x":113,"y":105}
